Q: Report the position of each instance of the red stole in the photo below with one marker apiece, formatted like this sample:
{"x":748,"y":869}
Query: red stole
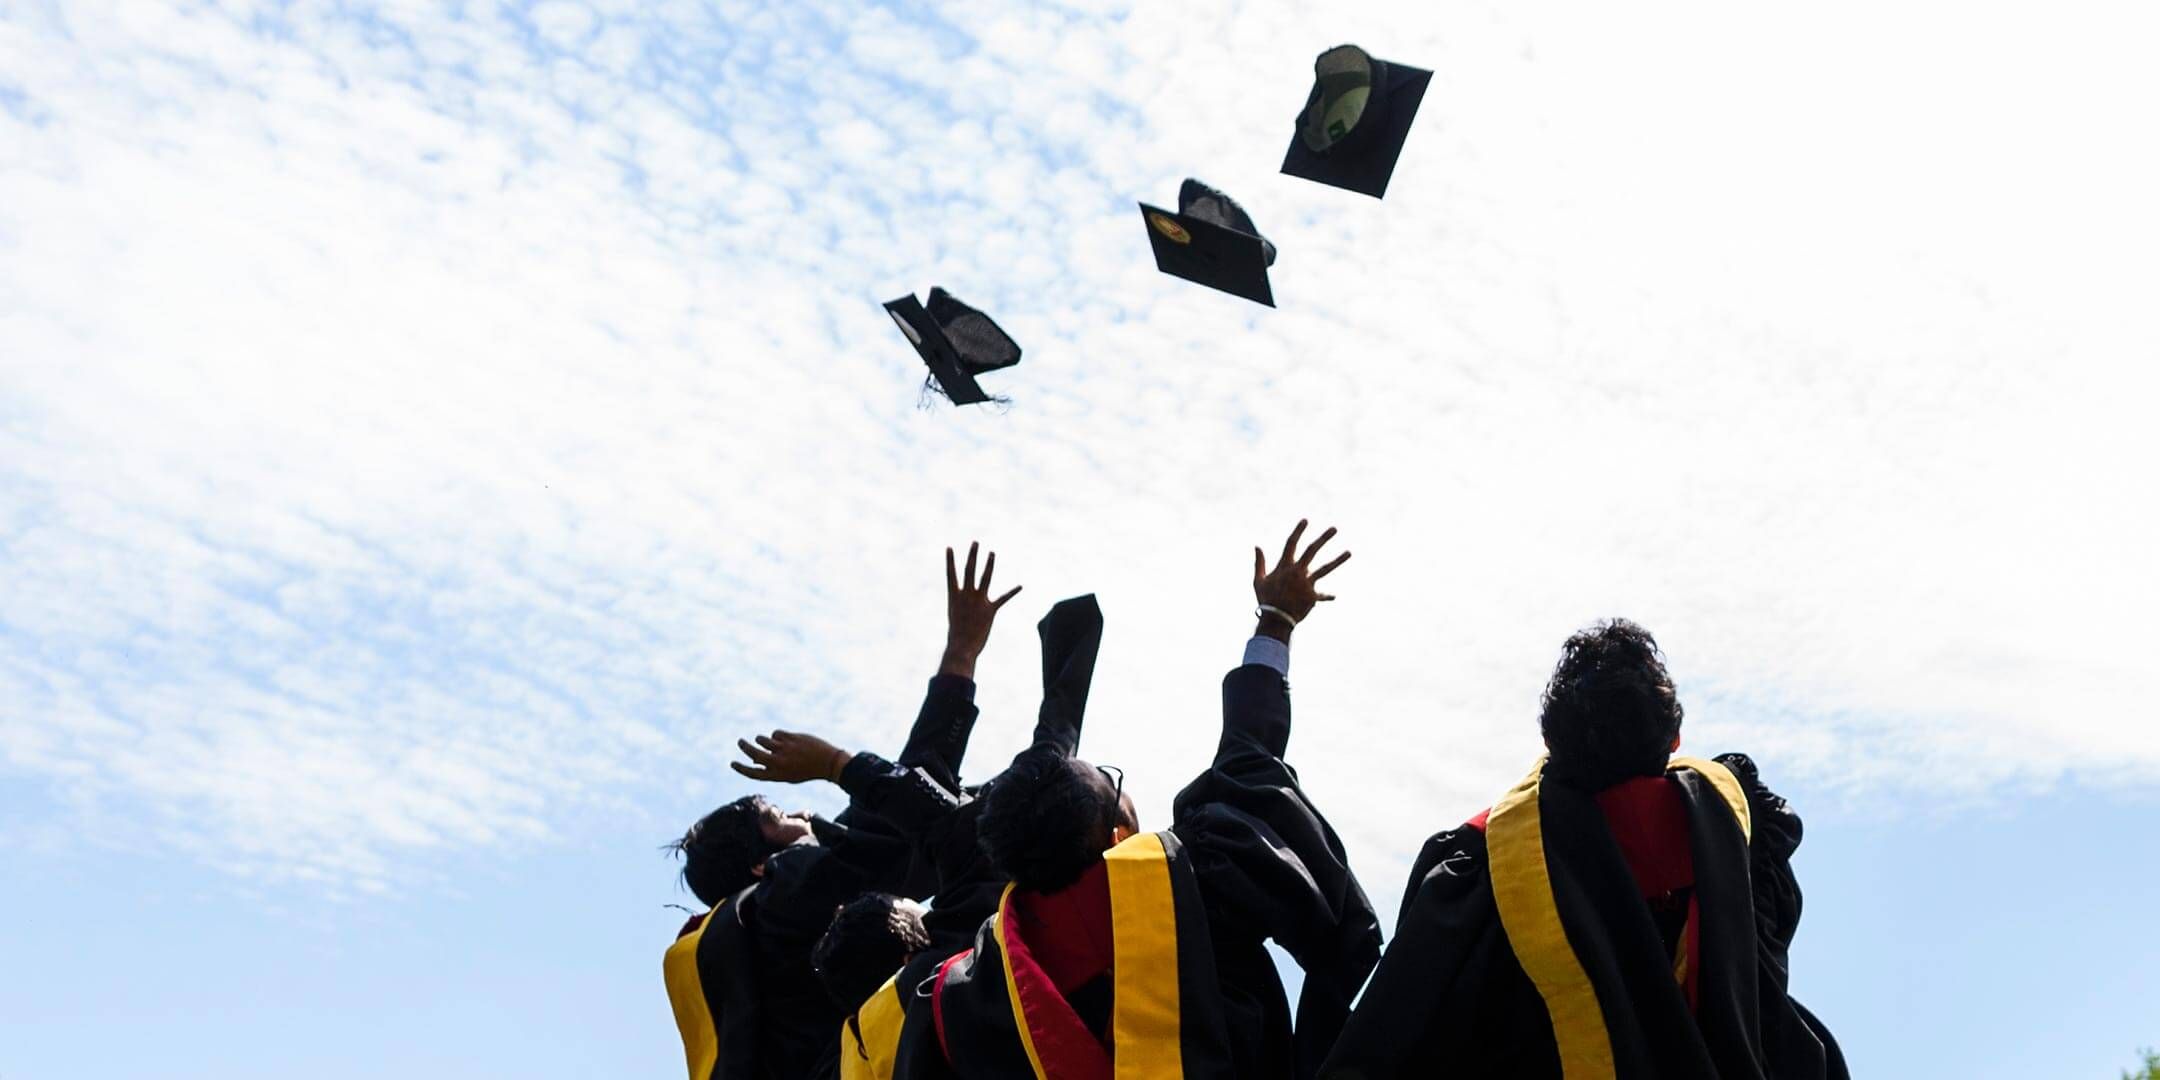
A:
{"x":1054,"y":943}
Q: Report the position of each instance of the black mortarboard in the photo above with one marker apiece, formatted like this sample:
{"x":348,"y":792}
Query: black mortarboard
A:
{"x":1355,"y":121}
{"x":956,"y":341}
{"x":1211,"y":240}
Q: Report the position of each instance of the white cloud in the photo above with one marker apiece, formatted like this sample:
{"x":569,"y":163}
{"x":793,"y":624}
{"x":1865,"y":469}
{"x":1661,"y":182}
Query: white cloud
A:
{"x":417,"y":437}
{"x":564,"y":25}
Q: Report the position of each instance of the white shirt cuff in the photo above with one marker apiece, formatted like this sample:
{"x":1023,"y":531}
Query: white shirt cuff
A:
{"x":1269,"y":652}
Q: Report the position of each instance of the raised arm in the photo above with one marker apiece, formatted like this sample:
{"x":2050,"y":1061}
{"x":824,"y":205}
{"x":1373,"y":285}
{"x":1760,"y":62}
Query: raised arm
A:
{"x":1071,"y":636}
{"x":938,"y":742}
{"x":924,"y":783}
{"x":1270,"y":864}
{"x":876,"y":788}
{"x":1256,"y":696}
{"x":968,"y":886}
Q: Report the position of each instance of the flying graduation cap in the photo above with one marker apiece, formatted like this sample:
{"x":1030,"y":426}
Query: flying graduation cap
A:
{"x":1211,"y":240}
{"x":956,"y":341}
{"x":1355,"y":120}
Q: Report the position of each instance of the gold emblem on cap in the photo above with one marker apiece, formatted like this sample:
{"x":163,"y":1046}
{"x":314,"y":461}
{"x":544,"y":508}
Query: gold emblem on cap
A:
{"x":1169,"y":227}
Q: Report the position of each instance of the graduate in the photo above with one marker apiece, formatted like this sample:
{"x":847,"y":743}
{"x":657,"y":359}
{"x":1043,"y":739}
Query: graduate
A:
{"x":879,"y":943}
{"x":1117,"y":952}
{"x":1619,"y":914}
{"x":739,"y":975}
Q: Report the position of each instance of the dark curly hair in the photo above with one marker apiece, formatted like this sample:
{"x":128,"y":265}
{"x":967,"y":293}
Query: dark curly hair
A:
{"x":1045,"y":819}
{"x":870,"y":937}
{"x":1610,"y":712}
{"x":722,"y":848}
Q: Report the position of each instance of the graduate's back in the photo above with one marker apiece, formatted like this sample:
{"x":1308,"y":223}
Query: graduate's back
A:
{"x":1617,"y":913}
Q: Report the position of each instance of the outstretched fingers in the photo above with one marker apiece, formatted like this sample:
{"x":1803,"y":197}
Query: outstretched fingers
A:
{"x":989,"y":568}
{"x":1009,"y":594}
{"x":1331,"y":564}
{"x":1307,"y":558}
{"x":952,"y":575}
{"x":969,"y":580}
{"x":761,"y":757}
{"x":1289,"y":548}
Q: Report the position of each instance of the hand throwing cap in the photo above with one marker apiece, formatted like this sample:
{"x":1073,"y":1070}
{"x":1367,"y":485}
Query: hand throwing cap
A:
{"x":1211,"y":240}
{"x":1355,"y":120}
{"x":956,"y":341}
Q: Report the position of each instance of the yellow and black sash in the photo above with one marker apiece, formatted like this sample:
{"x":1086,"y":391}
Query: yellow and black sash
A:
{"x":1585,"y":938}
{"x":998,"y":1015}
{"x":710,"y":984}
{"x":870,"y":1041}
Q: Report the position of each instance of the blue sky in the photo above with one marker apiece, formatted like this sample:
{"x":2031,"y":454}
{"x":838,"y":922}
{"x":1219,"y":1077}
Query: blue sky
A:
{"x":1994,"y":944}
{"x":429,"y":434}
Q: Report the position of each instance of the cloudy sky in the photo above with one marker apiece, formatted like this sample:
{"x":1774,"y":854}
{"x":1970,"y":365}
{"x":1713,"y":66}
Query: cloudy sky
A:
{"x":431,"y":432}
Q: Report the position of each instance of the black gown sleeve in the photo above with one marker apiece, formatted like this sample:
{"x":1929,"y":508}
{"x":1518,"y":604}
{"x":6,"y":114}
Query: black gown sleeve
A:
{"x":1796,"y":1043}
{"x":1071,"y":637}
{"x":1775,"y":832}
{"x":1270,"y":865}
{"x":968,"y":888}
{"x":894,"y":801}
{"x":907,"y":799}
{"x":919,"y":792}
{"x":938,"y":742}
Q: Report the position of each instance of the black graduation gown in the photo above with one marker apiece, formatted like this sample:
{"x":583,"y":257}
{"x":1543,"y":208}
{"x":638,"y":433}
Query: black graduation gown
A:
{"x":746,"y":1001}
{"x":1248,"y":858}
{"x":968,"y":890}
{"x":1524,"y":949}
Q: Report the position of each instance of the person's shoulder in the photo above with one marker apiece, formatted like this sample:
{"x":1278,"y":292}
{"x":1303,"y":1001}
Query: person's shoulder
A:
{"x":1774,"y":824}
{"x":794,"y":860}
{"x":1451,"y":860}
{"x":1463,"y":842}
{"x":723,"y":927}
{"x":788,"y":873}
{"x":1450,"y":882}
{"x":1744,"y":769}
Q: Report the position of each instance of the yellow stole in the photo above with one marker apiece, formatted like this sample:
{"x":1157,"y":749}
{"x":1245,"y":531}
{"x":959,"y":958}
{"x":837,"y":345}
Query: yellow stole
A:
{"x":879,"y":1023}
{"x":1522,"y":890}
{"x":1144,"y":1022}
{"x":701,"y":1039}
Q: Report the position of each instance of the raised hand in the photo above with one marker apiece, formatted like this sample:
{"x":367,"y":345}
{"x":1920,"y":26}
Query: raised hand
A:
{"x":790,"y":757}
{"x":969,"y":613}
{"x":1289,"y":587}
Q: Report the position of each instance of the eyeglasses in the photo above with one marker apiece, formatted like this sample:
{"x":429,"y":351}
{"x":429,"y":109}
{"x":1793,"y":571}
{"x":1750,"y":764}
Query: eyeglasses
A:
{"x":1116,"y":776}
